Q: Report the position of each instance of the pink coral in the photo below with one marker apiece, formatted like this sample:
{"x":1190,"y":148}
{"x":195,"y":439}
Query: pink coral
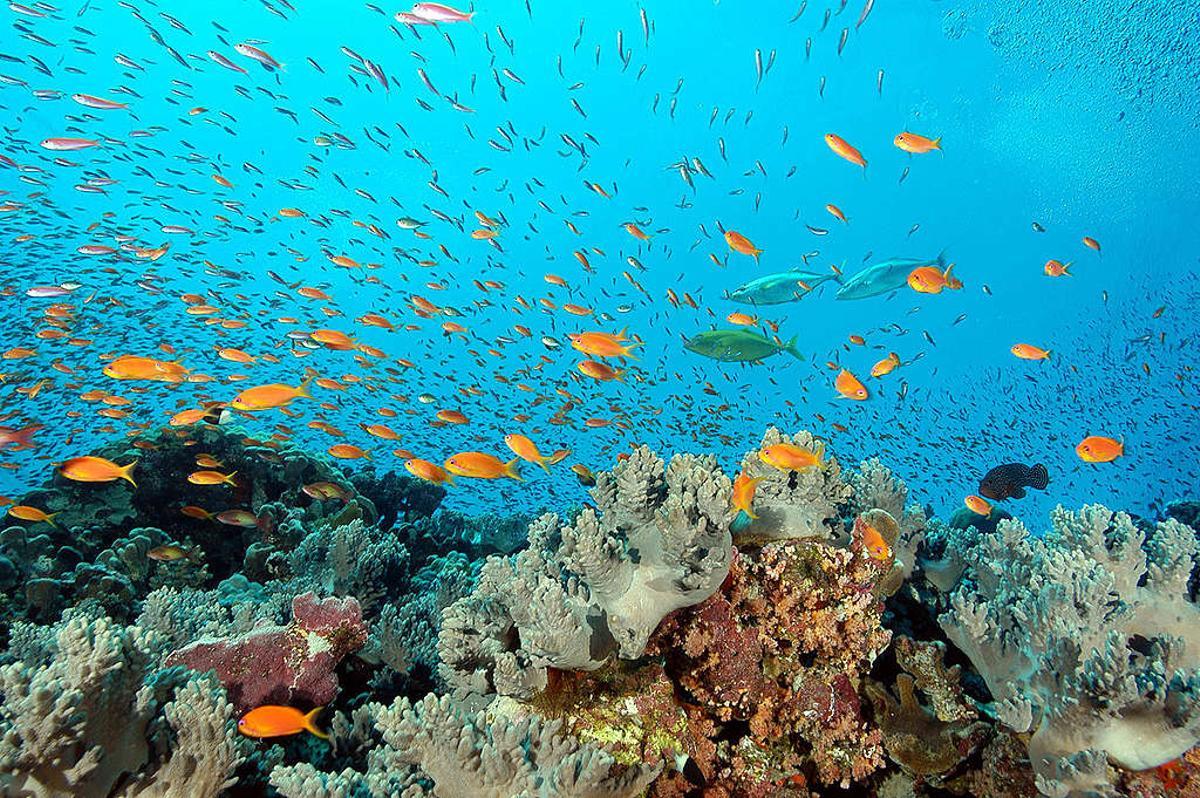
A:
{"x":291,"y":664}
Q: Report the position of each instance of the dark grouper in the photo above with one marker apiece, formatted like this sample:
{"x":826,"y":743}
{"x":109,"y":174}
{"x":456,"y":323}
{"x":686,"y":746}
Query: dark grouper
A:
{"x":776,"y":289}
{"x":885,"y":277}
{"x":738,"y":346}
{"x":1010,"y":480}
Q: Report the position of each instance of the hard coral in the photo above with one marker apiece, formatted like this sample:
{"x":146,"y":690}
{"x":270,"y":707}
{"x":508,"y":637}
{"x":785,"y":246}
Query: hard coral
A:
{"x":291,"y":664}
{"x":771,"y":666}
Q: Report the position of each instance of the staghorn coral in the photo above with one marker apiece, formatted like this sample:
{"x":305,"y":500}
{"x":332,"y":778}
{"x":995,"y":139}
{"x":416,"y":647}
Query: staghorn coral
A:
{"x":793,"y":504}
{"x":488,"y":755}
{"x":771,"y":667}
{"x":1087,"y":638}
{"x":580,"y":593}
{"x":291,"y":664}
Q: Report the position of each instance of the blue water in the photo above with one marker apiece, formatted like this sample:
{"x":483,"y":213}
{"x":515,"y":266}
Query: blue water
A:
{"x":1090,"y":133}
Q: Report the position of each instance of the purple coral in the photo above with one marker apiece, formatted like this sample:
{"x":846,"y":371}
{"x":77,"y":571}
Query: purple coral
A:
{"x":291,"y":664}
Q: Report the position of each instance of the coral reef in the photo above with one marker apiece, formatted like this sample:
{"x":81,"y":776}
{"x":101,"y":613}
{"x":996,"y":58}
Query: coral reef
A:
{"x":628,"y":648}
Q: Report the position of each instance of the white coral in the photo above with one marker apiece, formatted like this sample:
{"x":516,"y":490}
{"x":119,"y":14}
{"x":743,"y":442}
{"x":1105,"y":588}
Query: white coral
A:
{"x":1089,"y":637}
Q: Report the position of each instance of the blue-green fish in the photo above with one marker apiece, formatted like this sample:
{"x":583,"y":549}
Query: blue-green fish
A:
{"x":885,"y":276}
{"x":775,"y":289}
{"x":738,"y":346}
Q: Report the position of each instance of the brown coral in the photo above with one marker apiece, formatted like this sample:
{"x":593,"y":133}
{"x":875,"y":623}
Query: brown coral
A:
{"x":914,"y":736}
{"x":770,"y":668}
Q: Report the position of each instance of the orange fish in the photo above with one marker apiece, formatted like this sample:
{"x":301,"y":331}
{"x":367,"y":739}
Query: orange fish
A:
{"x":279,"y":721}
{"x":886,"y":366}
{"x":836,"y":212}
{"x":265,"y":397}
{"x":790,"y":457}
{"x":1054,"y":268}
{"x":850,"y":386}
{"x":347,"y":451}
{"x":527,"y":450}
{"x":452,"y":416}
{"x":1098,"y":449}
{"x":739,"y":243}
{"x":207,"y":477}
{"x":430,"y":472}
{"x":636,"y":231}
{"x":1091,"y":243}
{"x":874,"y":542}
{"x":27,"y":513}
{"x":930,"y":280}
{"x":742,"y":319}
{"x":843,"y":149}
{"x":96,"y":469}
{"x":479,"y":465}
{"x":599,"y":371}
{"x":598,"y":344}
{"x":744,"y":487}
{"x":916,"y":144}
{"x":1030,"y":352}
{"x":978,"y":505}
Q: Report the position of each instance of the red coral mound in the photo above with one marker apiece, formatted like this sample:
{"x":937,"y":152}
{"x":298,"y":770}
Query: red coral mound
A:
{"x":293,"y":664}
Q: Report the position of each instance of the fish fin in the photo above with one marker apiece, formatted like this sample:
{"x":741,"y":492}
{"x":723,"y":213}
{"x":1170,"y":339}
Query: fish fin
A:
{"x":310,"y":724}
{"x":1040,"y":477}
{"x":542,"y":463}
{"x":941,"y":259}
{"x":229,"y":478}
{"x":937,"y":144}
{"x":127,"y":473}
{"x":791,"y":349}
{"x":510,"y":470}
{"x":304,"y":389}
{"x":750,"y":514}
{"x":50,"y":519}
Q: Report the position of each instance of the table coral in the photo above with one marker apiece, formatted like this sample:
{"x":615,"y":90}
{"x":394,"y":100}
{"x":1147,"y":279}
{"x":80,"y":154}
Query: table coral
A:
{"x":291,"y":664}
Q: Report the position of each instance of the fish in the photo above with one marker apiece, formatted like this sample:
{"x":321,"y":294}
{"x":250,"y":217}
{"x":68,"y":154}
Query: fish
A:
{"x":790,"y":457}
{"x":875,"y":544}
{"x":1099,"y":449}
{"x":885,"y":276}
{"x":739,"y":346}
{"x":917,"y":144}
{"x":35,"y":514}
{"x":739,"y":243}
{"x":779,"y":288}
{"x":96,"y":469}
{"x":1010,"y":480}
{"x":279,"y":721}
{"x":526,"y":449}
{"x":1030,"y":352}
{"x":744,"y":487}
{"x":978,"y":505}
{"x":844,"y":150}
{"x":480,"y":465}
{"x":19,"y":439}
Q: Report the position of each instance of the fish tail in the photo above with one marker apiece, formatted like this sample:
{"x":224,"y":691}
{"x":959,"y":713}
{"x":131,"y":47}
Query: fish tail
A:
{"x":127,"y":473}
{"x":1040,"y":477}
{"x":305,"y":389}
{"x":937,"y":144}
{"x":50,"y":519}
{"x":510,"y":470}
{"x":229,"y":478}
{"x":542,"y":462}
{"x":791,"y":347}
{"x":310,"y":724}
{"x":750,"y":514}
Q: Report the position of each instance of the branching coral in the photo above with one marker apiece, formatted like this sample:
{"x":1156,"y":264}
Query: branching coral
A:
{"x":76,"y":725}
{"x":488,"y":755}
{"x":1088,"y":638}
